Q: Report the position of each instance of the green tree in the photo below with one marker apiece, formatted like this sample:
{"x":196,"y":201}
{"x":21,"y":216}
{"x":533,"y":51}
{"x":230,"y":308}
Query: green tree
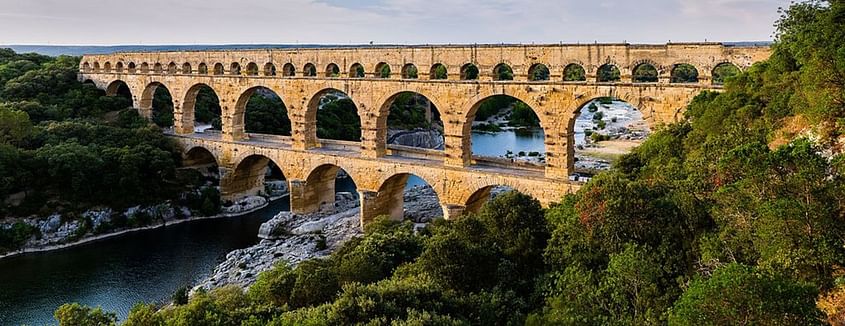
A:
{"x":74,"y":314}
{"x":740,"y":293}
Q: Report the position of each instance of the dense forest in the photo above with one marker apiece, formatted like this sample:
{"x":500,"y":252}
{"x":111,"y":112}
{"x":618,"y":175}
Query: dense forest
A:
{"x":66,"y":147}
{"x":733,"y":216}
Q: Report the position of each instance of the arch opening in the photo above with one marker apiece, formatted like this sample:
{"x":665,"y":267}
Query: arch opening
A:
{"x":406,"y":196}
{"x":219,"y":69}
{"x":202,"y":69}
{"x":484,"y":195}
{"x":723,"y":71}
{"x":332,"y":71}
{"x":539,"y":72}
{"x":335,"y":115}
{"x":118,"y":67}
{"x":356,"y":71}
{"x":119,"y":88}
{"x":252,"y":69}
{"x":107,"y":67}
{"x":202,"y":104}
{"x":288,"y":70}
{"x":409,"y":71}
{"x":200,"y":170}
{"x":86,"y":67}
{"x":171,"y":68}
{"x":438,"y":71}
{"x":131,"y":67}
{"x":684,"y":74}
{"x":382,"y":70}
{"x":263,"y":112}
{"x":235,"y":69}
{"x":608,"y":73}
{"x":644,"y":73}
{"x":503,"y":130}
{"x":413,"y":121}
{"x":145,"y":68}
{"x":96,"y":66}
{"x":469,"y":72}
{"x":187,"y":69}
{"x":255,"y":179}
{"x":310,"y":70}
{"x":269,"y":69}
{"x":158,"y":100}
{"x":502,"y":72}
{"x":322,"y":189}
{"x":604,"y":129}
{"x":157,"y":68}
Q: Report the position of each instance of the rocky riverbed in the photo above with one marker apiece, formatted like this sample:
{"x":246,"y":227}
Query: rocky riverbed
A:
{"x":293,"y":238}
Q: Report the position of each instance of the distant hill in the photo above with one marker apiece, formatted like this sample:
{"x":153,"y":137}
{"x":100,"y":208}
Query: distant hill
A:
{"x":78,"y":50}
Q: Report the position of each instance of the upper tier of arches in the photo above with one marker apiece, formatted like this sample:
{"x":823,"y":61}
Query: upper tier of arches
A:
{"x":534,"y":64}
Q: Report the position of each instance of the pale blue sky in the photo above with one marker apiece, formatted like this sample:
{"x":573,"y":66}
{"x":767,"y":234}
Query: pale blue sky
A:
{"x":88,"y":22}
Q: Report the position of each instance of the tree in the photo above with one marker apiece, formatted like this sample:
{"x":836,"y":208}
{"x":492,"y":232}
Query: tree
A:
{"x":74,"y":314}
{"x":740,"y":293}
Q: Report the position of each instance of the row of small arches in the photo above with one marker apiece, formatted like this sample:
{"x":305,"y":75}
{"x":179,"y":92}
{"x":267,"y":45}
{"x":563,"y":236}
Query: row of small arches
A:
{"x":608,"y":73}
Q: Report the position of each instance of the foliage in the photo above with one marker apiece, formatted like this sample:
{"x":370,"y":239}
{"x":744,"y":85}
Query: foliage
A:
{"x":736,"y":292}
{"x":408,"y":112}
{"x":645,"y":73}
{"x":338,"y":119}
{"x":266,"y":114}
{"x":74,"y":314}
{"x":574,"y":72}
{"x":608,"y":73}
{"x":684,"y":73}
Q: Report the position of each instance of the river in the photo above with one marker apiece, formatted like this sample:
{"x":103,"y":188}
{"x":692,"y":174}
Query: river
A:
{"x":150,"y":265}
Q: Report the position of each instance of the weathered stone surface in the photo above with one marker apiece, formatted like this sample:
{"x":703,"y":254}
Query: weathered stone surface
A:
{"x":458,"y":178}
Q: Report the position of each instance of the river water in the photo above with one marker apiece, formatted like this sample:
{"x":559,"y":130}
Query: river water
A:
{"x":150,"y":265}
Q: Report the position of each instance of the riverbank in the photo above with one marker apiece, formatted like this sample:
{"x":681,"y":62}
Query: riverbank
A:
{"x":160,"y":223}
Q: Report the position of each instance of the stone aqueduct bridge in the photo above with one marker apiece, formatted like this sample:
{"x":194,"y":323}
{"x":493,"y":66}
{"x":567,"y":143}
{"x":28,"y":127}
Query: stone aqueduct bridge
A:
{"x":461,"y":181}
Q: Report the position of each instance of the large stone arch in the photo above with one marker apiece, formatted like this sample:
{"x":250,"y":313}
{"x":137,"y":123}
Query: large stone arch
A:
{"x":147,"y":96}
{"x":384,"y":112}
{"x":478,"y":193}
{"x":389,"y":199}
{"x":312,"y":105}
{"x":113,"y":87}
{"x":185,"y":115}
{"x":247,"y":176}
{"x":237,"y":126}
{"x":192,"y":155}
{"x":317,"y":190}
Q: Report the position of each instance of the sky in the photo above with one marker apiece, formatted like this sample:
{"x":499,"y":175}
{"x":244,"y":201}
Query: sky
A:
{"x":150,"y":22}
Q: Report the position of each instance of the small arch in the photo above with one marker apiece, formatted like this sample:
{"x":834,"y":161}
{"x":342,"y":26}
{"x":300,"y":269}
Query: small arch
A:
{"x":288,"y":70}
{"x":684,"y":73}
{"x":502,"y":71}
{"x":96,"y":66}
{"x":145,"y":68}
{"x":171,"y":68}
{"x":332,"y":71}
{"x":107,"y":67}
{"x":356,"y":70}
{"x":310,"y":70}
{"x":118,"y":67}
{"x":608,"y":73}
{"x":131,"y":67}
{"x":469,"y":72}
{"x":252,"y":69}
{"x":218,"y":69}
{"x":269,"y":69}
{"x":723,"y":71}
{"x":157,"y":68}
{"x":187,"y":69}
{"x":483,"y":195}
{"x":538,"y":72}
{"x":439,"y":71}
{"x":382,"y":70}
{"x":86,"y":67}
{"x":235,"y":69}
{"x":645,"y":73}
{"x":202,"y":69}
{"x":409,"y":71}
